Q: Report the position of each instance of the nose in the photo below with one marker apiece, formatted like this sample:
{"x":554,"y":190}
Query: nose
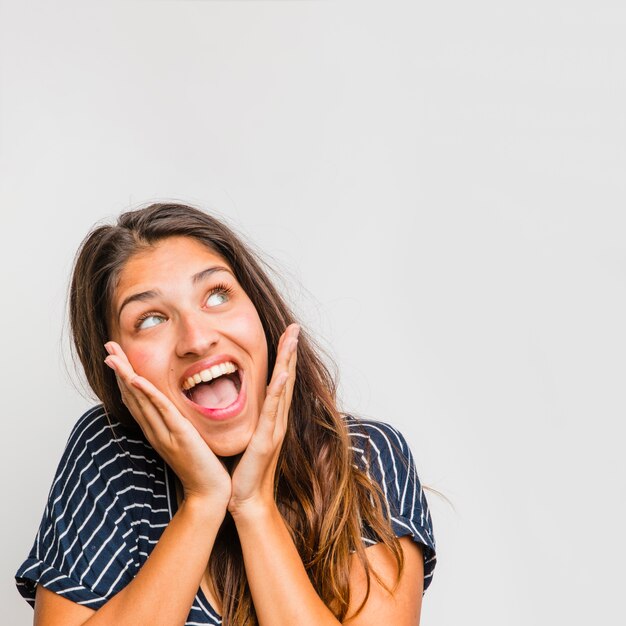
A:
{"x":196,"y":334}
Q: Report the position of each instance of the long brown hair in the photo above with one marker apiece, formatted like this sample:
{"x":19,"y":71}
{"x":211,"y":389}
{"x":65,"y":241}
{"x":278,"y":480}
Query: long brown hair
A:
{"x":323,"y":497}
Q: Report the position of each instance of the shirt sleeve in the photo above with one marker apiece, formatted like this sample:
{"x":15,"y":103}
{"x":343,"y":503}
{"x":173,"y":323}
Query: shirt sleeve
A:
{"x":385,"y":455}
{"x":83,"y":549}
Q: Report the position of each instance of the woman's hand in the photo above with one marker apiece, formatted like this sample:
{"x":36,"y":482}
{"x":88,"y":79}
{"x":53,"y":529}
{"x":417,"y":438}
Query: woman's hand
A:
{"x":253,"y":475}
{"x":174,"y":437}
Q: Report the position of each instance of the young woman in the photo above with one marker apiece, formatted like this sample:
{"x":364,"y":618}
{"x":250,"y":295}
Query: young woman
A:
{"x":217,"y":483}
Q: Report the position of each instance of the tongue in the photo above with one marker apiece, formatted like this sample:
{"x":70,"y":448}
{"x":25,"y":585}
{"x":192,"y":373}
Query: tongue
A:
{"x":218,"y":394}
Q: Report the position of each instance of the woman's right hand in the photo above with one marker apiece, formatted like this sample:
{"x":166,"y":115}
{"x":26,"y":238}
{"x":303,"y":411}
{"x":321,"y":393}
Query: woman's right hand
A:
{"x":202,"y":474}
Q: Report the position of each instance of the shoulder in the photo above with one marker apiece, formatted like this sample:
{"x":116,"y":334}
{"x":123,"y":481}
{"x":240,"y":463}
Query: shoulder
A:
{"x":382,"y":452}
{"x":376,"y":430}
{"x":100,"y":446}
{"x":378,"y":443}
{"x":105,"y":511}
{"x":94,"y":430}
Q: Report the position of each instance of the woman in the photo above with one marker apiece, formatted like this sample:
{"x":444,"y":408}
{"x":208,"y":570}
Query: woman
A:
{"x":212,"y":454}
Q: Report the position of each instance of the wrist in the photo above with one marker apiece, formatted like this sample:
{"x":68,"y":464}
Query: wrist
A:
{"x":204,"y":506}
{"x":254,"y":511}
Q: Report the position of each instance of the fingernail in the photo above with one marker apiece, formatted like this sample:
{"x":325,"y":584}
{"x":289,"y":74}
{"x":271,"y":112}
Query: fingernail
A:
{"x":108,"y":347}
{"x":110,"y":363}
{"x":297,"y":331}
{"x":293,"y":346}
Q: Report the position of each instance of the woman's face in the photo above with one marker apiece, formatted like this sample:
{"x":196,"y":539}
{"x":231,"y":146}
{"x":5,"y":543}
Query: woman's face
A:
{"x":178,"y":311}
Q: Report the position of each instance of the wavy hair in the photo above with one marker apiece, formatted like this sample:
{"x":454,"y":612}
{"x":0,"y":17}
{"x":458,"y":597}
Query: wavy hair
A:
{"x":322,"y":495}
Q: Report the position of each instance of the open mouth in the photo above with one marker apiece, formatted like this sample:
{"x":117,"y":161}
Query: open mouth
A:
{"x":214,"y":388}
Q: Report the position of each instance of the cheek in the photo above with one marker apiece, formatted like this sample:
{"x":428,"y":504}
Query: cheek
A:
{"x":145,"y":362}
{"x":248,"y":327}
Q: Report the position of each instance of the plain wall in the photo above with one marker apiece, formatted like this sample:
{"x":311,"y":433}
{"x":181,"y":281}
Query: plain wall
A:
{"x":442,"y":187}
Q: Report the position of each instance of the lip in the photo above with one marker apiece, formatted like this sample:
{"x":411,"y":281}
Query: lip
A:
{"x":196,"y":368}
{"x":226,"y":412}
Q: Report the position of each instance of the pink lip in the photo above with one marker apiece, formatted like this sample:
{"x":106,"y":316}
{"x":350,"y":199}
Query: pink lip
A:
{"x":226,"y":412}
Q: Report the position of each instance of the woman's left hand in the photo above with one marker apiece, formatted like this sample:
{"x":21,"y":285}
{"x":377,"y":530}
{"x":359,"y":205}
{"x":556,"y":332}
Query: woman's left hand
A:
{"x":253,"y":475}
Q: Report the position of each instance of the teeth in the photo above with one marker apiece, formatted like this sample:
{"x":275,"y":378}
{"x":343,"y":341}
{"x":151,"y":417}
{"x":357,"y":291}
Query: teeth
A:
{"x":209,"y":374}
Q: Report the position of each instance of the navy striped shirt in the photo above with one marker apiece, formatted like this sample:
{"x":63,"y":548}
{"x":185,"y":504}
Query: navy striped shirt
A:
{"x":113,"y":496}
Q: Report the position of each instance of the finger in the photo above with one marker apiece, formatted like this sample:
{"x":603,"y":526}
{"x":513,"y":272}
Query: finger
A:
{"x":281,"y":370}
{"x":269,"y":411}
{"x":283,"y":409}
{"x":283,"y":356}
{"x":291,"y":381}
{"x":118,"y":357}
{"x":132,"y":404}
{"x":291,"y":331}
{"x":124,"y":367}
{"x":140,"y":404}
{"x":121,"y":378}
{"x":160,"y":402}
{"x":291,"y":353}
{"x":272,"y":421}
{"x":279,"y":423}
{"x":278,"y":435}
{"x":114,"y":349}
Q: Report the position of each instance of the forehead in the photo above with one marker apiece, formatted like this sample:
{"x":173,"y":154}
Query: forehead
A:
{"x":172,"y":259}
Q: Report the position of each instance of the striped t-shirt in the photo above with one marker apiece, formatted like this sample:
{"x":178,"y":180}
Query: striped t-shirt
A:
{"x":113,"y":496}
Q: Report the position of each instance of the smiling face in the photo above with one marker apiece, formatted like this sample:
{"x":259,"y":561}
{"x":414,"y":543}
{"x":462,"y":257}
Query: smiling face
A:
{"x":179,"y":312}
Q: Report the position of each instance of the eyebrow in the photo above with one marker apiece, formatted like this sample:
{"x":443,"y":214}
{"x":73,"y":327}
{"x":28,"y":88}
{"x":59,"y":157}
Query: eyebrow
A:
{"x":153,"y":293}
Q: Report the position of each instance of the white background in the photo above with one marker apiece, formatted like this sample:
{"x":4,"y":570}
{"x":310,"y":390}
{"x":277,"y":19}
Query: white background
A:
{"x":442,"y":186}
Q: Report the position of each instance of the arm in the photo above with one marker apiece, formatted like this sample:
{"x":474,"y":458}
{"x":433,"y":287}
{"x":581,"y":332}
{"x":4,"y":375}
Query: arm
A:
{"x":281,"y":590}
{"x":163,"y":591}
{"x":401,"y":609}
{"x":283,"y":594}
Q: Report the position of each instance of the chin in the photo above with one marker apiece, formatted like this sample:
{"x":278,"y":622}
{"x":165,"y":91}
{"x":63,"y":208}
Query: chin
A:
{"x":229,"y":448}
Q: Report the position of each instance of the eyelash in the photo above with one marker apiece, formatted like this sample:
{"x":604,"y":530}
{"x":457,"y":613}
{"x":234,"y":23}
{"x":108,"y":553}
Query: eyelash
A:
{"x":219,"y":288}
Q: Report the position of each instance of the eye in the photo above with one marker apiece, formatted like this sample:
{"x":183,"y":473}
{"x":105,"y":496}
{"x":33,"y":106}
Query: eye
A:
{"x":150,"y":320}
{"x":218,"y":295}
